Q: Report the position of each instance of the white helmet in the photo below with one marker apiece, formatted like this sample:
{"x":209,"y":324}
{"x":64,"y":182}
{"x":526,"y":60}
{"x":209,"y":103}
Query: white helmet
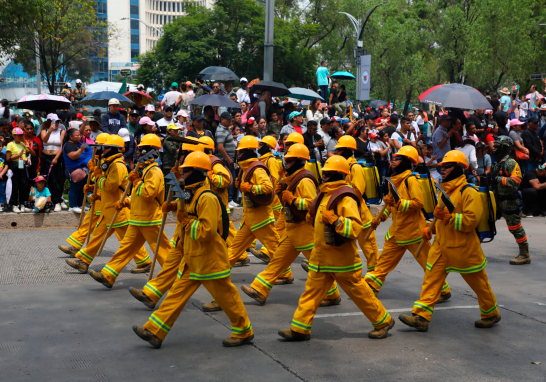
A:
{"x":140,"y":86}
{"x":78,"y":81}
{"x":68,"y":84}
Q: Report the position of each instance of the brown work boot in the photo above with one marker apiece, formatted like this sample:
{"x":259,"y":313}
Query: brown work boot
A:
{"x":144,"y":269}
{"x":146,"y":335}
{"x":212,"y":307}
{"x":78,"y":265}
{"x":523,"y":257}
{"x":254,"y":294}
{"x":414,"y":321}
{"x":101,"y":279}
{"x":444,"y":298}
{"x":69,"y":250}
{"x":330,"y":302}
{"x":241,"y":263}
{"x":381,"y":333}
{"x":305,"y":265}
{"x":290,"y":335}
{"x":486,"y":323}
{"x":284,"y":280}
{"x":260,"y":255}
{"x":140,"y":296}
{"x":232,"y":342}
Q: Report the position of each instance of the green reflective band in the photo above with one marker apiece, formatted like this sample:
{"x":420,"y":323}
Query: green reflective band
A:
{"x":220,"y":181}
{"x":153,"y":290}
{"x":367,"y":225}
{"x":388,"y":236}
{"x":305,"y":247}
{"x":458,"y":221}
{"x":405,"y":206}
{"x":120,"y":224}
{"x":258,"y":189}
{"x":374,"y":279}
{"x":240,"y":330}
{"x":210,"y":276}
{"x":445,"y":287}
{"x":300,"y":204}
{"x":301,"y":325}
{"x":332,"y":291}
{"x":111,"y":271}
{"x":382,"y":320}
{"x":371,"y":267}
{"x":477,"y":268}
{"x":163,"y":326}
{"x":313,"y":267}
{"x":101,"y":183}
{"x":288,"y":270}
{"x":264,"y":282}
{"x":277,"y":207}
{"x":424,"y":307}
{"x":145,"y":223}
{"x":75,"y":242}
{"x":193,"y":230}
{"x":228,"y":210}
{"x":139,"y":190}
{"x":348,"y":268}
{"x":179,"y":275}
{"x":347,"y":230}
{"x":173,"y":243}
{"x":429,"y":266}
{"x":409,"y":242}
{"x":97,"y":213}
{"x":143,"y":261}
{"x":489,"y":311}
{"x":386,"y":212}
{"x":83,"y":254}
{"x":262,"y":224}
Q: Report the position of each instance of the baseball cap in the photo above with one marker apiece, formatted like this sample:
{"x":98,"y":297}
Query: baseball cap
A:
{"x":243,"y":79}
{"x":39,"y":178}
{"x":373,"y":135}
{"x":134,"y":112}
{"x":172,"y":126}
{"x":445,"y":117}
{"x":168,"y":108}
{"x":91,"y":119}
{"x":17,"y":131}
{"x":516,"y":122}
{"x":198,"y":117}
{"x":533,"y":120}
{"x":79,"y":115}
{"x":174,"y":85}
{"x":226,"y":115}
{"x":294,"y":114}
{"x":30,"y":112}
{"x":124,"y":133}
{"x":52,"y":117}
{"x":146,"y":121}
{"x":325,"y":121}
{"x":113,"y":101}
{"x":472,"y":138}
{"x":149,"y":108}
{"x":182,"y":113}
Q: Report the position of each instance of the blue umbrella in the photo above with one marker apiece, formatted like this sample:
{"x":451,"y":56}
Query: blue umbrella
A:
{"x":214,"y":100}
{"x":304,"y":94}
{"x":343,"y":76}
{"x":102,"y":98}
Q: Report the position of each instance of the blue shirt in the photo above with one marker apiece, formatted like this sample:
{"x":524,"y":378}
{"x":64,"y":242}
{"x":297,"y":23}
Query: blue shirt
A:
{"x":37,"y":194}
{"x":322,"y":76}
{"x":439,"y":134}
{"x":506,"y":100}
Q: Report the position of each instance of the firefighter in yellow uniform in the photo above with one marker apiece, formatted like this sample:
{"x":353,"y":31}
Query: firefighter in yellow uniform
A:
{"x":298,"y":236}
{"x":341,"y":263}
{"x":205,"y":262}
{"x":145,"y":218}
{"x":456,"y":248}
{"x":407,"y":222}
{"x":77,"y":239}
{"x":111,"y":185}
{"x":346,"y":147}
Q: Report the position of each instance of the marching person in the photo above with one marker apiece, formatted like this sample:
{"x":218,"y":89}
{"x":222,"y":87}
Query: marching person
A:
{"x":206,"y":263}
{"x":404,"y":234}
{"x":145,"y":218}
{"x":456,"y":248}
{"x":338,"y":261}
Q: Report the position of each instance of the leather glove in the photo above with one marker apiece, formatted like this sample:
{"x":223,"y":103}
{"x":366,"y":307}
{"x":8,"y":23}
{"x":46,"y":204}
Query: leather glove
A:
{"x":329,"y":217}
{"x":168,"y":207}
{"x":237,"y":182}
{"x":278,"y":188}
{"x":309,"y":219}
{"x":427,"y":233}
{"x":376,"y":221}
{"x":95,"y":197}
{"x":134,"y":177}
{"x":442,"y":214}
{"x":183,"y":218}
{"x":177,"y":173}
{"x":91,"y":165}
{"x":97,"y":171}
{"x":389,"y":201}
{"x":125,"y":204}
{"x":288,"y":197}
{"x":246,"y":187}
{"x":88,"y":188}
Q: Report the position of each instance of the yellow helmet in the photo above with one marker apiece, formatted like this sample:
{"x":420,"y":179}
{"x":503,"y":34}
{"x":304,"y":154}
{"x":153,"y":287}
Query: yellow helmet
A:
{"x":101,"y":138}
{"x":115,"y":141}
{"x":150,"y":140}
{"x":346,"y":141}
{"x":455,"y":156}
{"x":409,"y":152}
{"x":337,"y":163}
{"x":248,"y":142}
{"x":270,"y":141}
{"x":298,"y":151}
{"x":198,"y":146}
{"x":208,"y":142}
{"x":197,"y":159}
{"x":295,"y":138}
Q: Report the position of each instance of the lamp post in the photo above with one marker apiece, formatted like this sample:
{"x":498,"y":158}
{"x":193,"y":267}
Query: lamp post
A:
{"x":268,"y":41}
{"x":359,"y":51}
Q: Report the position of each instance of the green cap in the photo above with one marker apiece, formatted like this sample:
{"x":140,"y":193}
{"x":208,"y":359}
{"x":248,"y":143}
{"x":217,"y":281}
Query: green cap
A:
{"x":174,"y":85}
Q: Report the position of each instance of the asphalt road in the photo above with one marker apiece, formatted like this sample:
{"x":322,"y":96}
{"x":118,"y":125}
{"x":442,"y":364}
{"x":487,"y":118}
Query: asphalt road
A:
{"x":59,"y":325}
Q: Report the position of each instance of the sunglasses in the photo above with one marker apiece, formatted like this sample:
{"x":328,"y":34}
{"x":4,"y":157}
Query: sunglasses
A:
{"x":447,"y":166}
{"x":396,"y":158}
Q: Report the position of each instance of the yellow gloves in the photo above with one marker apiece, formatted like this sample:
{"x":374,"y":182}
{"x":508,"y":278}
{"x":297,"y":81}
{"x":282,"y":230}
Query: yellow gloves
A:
{"x":95,"y":197}
{"x":427,"y":232}
{"x":91,"y":165}
{"x":288,"y":197}
{"x":168,"y":207}
{"x":121,"y":205}
{"x":376,"y":221}
{"x":389,"y":201}
{"x":97,"y":171}
{"x":134,"y":177}
{"x":442,"y":214}
{"x":246,"y":187}
{"x":89,"y":188}
{"x":329,"y":217}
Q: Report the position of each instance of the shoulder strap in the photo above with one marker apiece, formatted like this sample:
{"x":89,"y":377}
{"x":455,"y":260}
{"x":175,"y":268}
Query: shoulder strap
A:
{"x":314,"y":205}
{"x":225,"y":216}
{"x":144,"y":175}
{"x":253,"y":167}
{"x":341,"y":193}
{"x":215,"y":160}
{"x":465,"y":187}
{"x":304,"y":174}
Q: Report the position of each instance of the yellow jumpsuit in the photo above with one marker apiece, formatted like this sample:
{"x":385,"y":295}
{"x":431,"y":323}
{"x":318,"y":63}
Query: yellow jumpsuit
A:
{"x":342,"y":263}
{"x":257,"y":222}
{"x":110,"y":187}
{"x":77,"y":239}
{"x":357,"y":180}
{"x":457,"y":248}
{"x":205,"y":263}
{"x":298,"y":237}
{"x":220,"y":179}
{"x":405,"y":232}
{"x":144,"y":222}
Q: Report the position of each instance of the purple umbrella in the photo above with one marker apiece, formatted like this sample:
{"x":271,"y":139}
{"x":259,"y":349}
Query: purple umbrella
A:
{"x":43,"y":102}
{"x":455,"y":95}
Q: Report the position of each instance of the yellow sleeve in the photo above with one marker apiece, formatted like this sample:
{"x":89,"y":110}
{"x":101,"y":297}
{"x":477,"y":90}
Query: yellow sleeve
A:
{"x":220,"y":176}
{"x":261,"y":184}
{"x":114,"y":179}
{"x":351,"y":224}
{"x":472,"y":213}
{"x":208,"y":212}
{"x":358,"y":181}
{"x":274,"y":168}
{"x":416,"y":194}
{"x":305,"y":193}
{"x":148,"y":188}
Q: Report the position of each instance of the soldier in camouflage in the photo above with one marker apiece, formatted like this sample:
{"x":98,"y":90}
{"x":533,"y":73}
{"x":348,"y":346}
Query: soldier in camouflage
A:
{"x":505,"y":179}
{"x":78,"y":93}
{"x":66,"y":92}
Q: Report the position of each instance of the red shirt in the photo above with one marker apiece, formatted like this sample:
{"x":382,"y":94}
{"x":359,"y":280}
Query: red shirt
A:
{"x":298,"y":129}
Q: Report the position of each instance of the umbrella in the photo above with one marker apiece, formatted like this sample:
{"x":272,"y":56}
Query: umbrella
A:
{"x":102,"y":98}
{"x":276,"y":88}
{"x":343,"y":76}
{"x":144,"y":99}
{"x":376,"y":103}
{"x":43,"y":102}
{"x":304,"y":94}
{"x":528,"y":96}
{"x":217,"y":73}
{"x":455,"y":95}
{"x":214,"y":100}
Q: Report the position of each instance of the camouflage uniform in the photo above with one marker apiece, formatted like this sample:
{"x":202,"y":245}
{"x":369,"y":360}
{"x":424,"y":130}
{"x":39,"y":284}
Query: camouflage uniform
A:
{"x":66,"y":92}
{"x":78,"y":93}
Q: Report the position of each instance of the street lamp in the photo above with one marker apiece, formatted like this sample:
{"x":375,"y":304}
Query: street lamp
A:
{"x":157,"y":30}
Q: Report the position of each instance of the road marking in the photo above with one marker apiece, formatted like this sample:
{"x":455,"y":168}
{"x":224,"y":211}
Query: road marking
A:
{"x":399,"y":311}
{"x":540,"y":303}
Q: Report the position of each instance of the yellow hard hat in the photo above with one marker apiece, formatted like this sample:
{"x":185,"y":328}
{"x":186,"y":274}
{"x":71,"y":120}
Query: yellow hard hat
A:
{"x":455,"y":156}
{"x":197,"y":159}
{"x":409,"y":152}
{"x":207,"y":141}
{"x":295,"y":138}
{"x":346,"y":141}
{"x":298,"y":151}
{"x":115,"y":141}
{"x":337,"y":163}
{"x":172,"y":126}
{"x":270,"y":141}
{"x":150,"y":140}
{"x":191,"y":147}
{"x":248,"y":142}
{"x":101,"y":138}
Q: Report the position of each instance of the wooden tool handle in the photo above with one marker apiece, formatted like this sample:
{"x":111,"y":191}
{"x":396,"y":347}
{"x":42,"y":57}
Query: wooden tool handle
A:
{"x":376,"y":219}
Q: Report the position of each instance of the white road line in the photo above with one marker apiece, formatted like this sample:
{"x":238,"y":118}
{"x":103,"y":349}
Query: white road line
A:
{"x":398,"y":311}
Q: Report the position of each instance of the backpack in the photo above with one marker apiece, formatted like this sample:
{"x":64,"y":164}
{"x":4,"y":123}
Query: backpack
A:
{"x":225,"y":215}
{"x":299,"y":215}
{"x":215,"y":160}
{"x":260,"y":200}
{"x":491,"y":221}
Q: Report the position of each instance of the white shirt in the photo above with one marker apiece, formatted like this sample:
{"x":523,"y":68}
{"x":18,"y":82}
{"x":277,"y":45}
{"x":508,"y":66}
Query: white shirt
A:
{"x":397,"y":135}
{"x":325,"y":138}
{"x":414,"y":124}
{"x":2,"y":109}
{"x":470,"y":152}
{"x":433,"y":171}
{"x":170,"y":98}
{"x":242,"y":96}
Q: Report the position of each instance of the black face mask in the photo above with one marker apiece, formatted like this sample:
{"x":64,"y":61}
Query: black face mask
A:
{"x":248,"y":154}
{"x":208,"y":151}
{"x":197,"y":176}
{"x":264,"y":150}
{"x":299,"y":163}
{"x":347,"y":153}
{"x":145,"y":149}
{"x":502,"y":151}
{"x":111,"y":152}
{"x":454,"y":174}
{"x":332,"y":176}
{"x":405,"y":165}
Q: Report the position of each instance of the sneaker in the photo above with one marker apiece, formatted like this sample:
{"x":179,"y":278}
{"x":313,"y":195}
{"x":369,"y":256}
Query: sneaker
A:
{"x":16,"y":210}
{"x":24,"y":209}
{"x":76,"y":210}
{"x":232,"y":204}
{"x":64,"y":206}
{"x":57,"y":207}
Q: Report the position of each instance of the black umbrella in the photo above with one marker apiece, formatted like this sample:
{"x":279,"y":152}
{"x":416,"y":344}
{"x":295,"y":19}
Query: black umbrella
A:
{"x":276,"y":88}
{"x":376,"y":103}
{"x":217,"y":73}
{"x":214,"y":100}
{"x":455,"y":95}
{"x":102,"y":98}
